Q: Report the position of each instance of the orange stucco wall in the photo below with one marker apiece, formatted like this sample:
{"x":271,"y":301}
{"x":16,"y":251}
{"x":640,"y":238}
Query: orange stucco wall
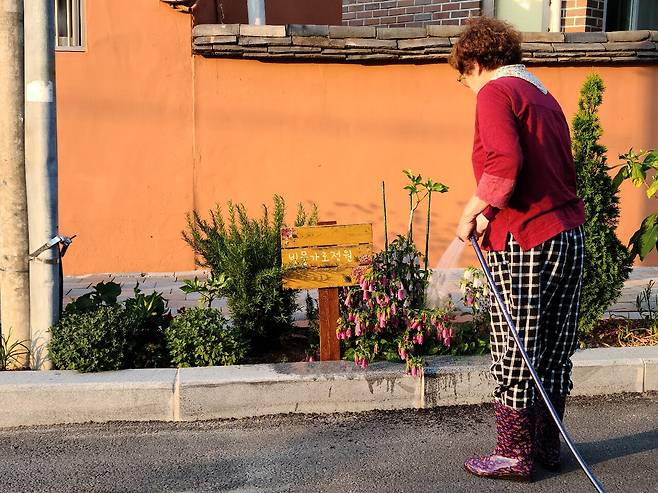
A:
{"x":147,"y":133}
{"x":125,"y":139}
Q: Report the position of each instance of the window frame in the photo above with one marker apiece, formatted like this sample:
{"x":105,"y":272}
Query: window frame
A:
{"x":634,"y":15}
{"x":82,"y":47}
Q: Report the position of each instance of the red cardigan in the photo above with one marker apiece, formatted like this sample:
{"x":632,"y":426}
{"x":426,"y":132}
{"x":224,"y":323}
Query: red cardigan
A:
{"x":523,"y":164}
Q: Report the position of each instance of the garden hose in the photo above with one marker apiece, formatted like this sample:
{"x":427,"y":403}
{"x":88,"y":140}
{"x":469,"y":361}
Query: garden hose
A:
{"x":533,"y":372}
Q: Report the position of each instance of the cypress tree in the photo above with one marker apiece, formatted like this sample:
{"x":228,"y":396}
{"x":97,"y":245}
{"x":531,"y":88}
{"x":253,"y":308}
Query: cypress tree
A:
{"x":607,"y":261}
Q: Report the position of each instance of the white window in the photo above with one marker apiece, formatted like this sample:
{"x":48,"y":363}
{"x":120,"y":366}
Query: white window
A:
{"x":525,"y":15}
{"x":69,"y":25}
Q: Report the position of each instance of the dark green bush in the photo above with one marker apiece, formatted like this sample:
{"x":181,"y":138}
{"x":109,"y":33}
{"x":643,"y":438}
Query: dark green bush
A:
{"x":92,"y":340}
{"x":145,"y":345}
{"x":607,"y":260}
{"x":203,"y":337}
{"x":246,"y":254}
{"x":134,"y":331}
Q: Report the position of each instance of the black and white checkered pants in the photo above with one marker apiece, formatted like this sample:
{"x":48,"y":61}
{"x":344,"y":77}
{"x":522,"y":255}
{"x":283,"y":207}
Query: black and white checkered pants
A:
{"x":541,"y":288}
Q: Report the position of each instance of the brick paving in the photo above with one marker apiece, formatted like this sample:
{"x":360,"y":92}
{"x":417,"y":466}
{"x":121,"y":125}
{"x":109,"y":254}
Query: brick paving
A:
{"x":169,"y":283}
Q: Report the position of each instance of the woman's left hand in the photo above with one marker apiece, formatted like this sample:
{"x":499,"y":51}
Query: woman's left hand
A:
{"x":482,"y":223}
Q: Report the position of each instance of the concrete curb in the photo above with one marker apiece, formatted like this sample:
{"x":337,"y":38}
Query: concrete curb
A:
{"x":187,"y":394}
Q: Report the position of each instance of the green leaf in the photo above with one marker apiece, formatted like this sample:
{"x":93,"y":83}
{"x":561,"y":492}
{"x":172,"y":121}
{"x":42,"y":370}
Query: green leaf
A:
{"x":651,"y":161}
{"x":651,"y":191}
{"x":637,"y":175}
{"x":644,"y":239}
{"x":622,"y":175}
{"x":348,"y":354}
{"x":109,"y":292}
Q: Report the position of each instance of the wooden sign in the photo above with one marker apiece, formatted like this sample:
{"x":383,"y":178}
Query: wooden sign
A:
{"x":324,"y":256}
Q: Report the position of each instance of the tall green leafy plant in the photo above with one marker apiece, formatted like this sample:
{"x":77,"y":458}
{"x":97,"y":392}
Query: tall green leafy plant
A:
{"x":246,"y":254}
{"x":642,"y":169}
{"x":608,"y":262}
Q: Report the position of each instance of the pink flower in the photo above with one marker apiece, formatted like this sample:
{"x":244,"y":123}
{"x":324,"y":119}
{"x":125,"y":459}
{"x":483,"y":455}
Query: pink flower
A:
{"x":401,"y":294}
{"x":288,"y":233}
{"x":420,"y":339}
{"x":447,"y":337}
{"x":414,"y":371}
{"x":403,"y":354}
{"x":357,"y":329}
{"x":394,"y":309}
{"x":348,"y":333}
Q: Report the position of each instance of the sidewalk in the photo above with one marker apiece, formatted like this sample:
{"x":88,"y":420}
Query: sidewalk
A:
{"x":190,"y":394}
{"x":169,"y":283}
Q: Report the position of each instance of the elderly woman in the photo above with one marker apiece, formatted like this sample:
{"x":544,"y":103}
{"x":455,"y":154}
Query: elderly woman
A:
{"x":526,"y":209}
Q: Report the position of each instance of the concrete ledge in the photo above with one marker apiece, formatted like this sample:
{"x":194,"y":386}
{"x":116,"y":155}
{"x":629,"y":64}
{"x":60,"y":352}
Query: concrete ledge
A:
{"x":325,"y":387}
{"x":609,"y":370}
{"x":37,"y":398}
{"x":651,"y":374}
{"x":44,"y":398}
{"x":450,"y":381}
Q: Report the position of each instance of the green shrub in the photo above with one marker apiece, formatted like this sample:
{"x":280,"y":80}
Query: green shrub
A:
{"x":246,"y":254}
{"x":203,"y":337}
{"x":607,"y":261}
{"x":134,"y":331}
{"x":92,"y":340}
{"x":145,"y":344}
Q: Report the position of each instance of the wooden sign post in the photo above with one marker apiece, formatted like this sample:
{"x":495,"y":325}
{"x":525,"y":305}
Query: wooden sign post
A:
{"x":323,"y":257}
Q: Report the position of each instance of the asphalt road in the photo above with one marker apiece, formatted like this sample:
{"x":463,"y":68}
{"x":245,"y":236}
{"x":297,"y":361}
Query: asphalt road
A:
{"x":402,"y":451}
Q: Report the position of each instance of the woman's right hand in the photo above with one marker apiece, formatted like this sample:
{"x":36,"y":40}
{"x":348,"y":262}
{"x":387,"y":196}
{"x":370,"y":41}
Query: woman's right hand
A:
{"x":465,"y":229}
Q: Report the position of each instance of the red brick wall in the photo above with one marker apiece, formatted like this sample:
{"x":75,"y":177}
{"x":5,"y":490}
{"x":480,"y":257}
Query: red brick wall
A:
{"x":582,"y":15}
{"x":408,"y":13}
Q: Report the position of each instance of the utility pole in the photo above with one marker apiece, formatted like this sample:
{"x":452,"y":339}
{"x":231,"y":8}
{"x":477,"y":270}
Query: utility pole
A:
{"x":41,"y":172}
{"x":14,"y":276}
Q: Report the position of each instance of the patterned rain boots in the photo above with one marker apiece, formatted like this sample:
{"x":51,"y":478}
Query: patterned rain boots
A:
{"x":513,"y":456}
{"x":547,"y":434}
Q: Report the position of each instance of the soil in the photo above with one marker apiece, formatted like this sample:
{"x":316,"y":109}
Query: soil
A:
{"x":291,"y":347}
{"x":295,"y":345}
{"x":621,"y":332}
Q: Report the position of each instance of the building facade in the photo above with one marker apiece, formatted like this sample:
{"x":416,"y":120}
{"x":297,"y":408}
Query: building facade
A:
{"x":527,"y":15}
{"x":155,"y":121}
